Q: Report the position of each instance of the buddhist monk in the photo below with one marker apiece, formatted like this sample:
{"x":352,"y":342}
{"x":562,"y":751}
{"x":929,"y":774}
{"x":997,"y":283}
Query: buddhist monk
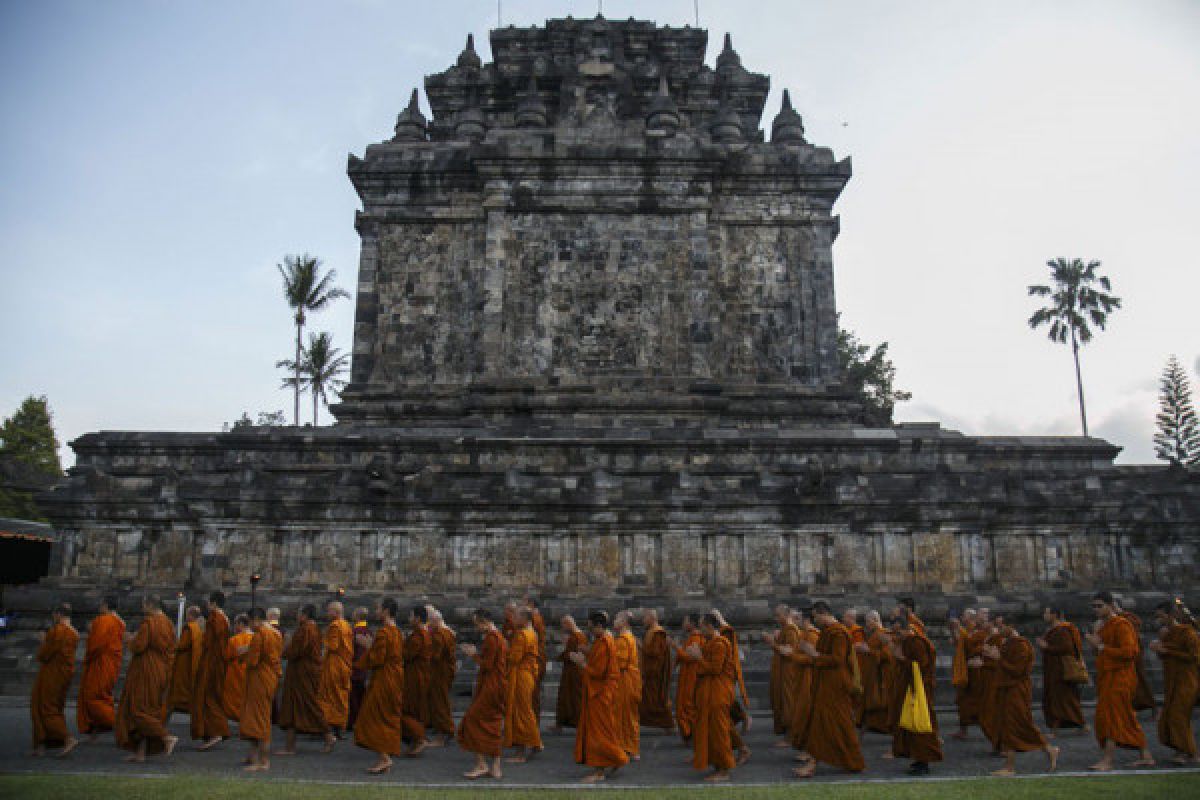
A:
{"x":966,"y":692}
{"x":1179,"y":649}
{"x":509,"y":626}
{"x":263,"y":657}
{"x":139,"y":722}
{"x":444,"y":665}
{"x":333,"y":691}
{"x":521,"y":729}
{"x":1143,"y":696}
{"x":655,"y":708}
{"x":912,"y":646}
{"x":1061,"y":706}
{"x":597,"y":741}
{"x":363,"y":636}
{"x":299,"y":707}
{"x":857,"y":636}
{"x":95,"y":710}
{"x":539,"y":627}
{"x":186,"y":662}
{"x":209,"y":722}
{"x":570,"y":685}
{"x":740,"y":710}
{"x":418,"y":674}
{"x":717,"y":673}
{"x":378,"y":726}
{"x":685,"y":684}
{"x":803,"y":692}
{"x":233,"y":695}
{"x":273,"y":615}
{"x":481,"y":731}
{"x":874,"y":658}
{"x":778,"y":688}
{"x":629,"y":688}
{"x":831,"y":737}
{"x":56,"y":667}
{"x":988,"y":673}
{"x":1015,"y":731}
{"x":1116,"y":644}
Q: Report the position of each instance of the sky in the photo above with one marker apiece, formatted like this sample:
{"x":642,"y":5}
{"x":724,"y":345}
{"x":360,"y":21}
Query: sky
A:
{"x":158,"y":159}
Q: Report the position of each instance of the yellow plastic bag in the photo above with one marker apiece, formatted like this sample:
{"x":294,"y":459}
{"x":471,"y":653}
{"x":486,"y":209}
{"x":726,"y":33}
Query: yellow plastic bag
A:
{"x":914,"y":716}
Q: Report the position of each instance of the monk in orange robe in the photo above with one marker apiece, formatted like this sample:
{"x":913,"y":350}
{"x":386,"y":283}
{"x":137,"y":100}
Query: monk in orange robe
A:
{"x":363,"y":637}
{"x":597,"y":740}
{"x":333,"y":689}
{"x":629,"y":688}
{"x":831,"y":737}
{"x":263,"y":657}
{"x":139,"y":723}
{"x":655,"y":708}
{"x":717,"y":674}
{"x":185,"y":664}
{"x":482,"y":728}
{"x":1179,"y":649}
{"x":378,"y":726}
{"x":539,"y":627}
{"x":739,"y":711}
{"x":803,"y":692}
{"x":444,"y":665}
{"x":911,"y":646}
{"x":857,"y":637}
{"x":1117,"y":649}
{"x":521,"y":729}
{"x":570,"y":685}
{"x":509,"y":627}
{"x":1143,"y":695}
{"x":685,"y":684}
{"x":299,"y":707}
{"x":56,"y":667}
{"x":209,"y":722}
{"x":968,"y":642}
{"x":233,"y":693}
{"x":1061,"y":706}
{"x":95,"y":710}
{"x":418,"y":674}
{"x":782,"y":680}
{"x":988,"y":674}
{"x":1015,"y":731}
{"x":874,"y":658}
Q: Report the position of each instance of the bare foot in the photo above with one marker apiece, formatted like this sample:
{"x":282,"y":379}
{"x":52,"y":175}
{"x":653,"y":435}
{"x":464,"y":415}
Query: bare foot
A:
{"x":441,"y":742}
{"x":516,"y":760}
{"x":802,"y":757}
{"x":256,"y":768}
{"x":782,"y":743}
{"x":209,"y":744}
{"x":593,"y":777}
{"x":635,"y":757}
{"x":804,"y":772}
{"x":1143,"y":762}
{"x":1052,"y":754}
{"x":495,"y":773}
{"x":379,"y":769}
{"x":717,"y":777}
{"x":134,"y":759}
{"x":418,"y":748}
{"x":169,"y":743}
{"x":472,"y":774}
{"x":1003,"y":773}
{"x":68,"y":746}
{"x":328,"y":748}
{"x":743,"y":756}
{"x":1101,"y":766}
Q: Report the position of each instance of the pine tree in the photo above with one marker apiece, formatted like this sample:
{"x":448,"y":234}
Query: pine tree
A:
{"x":28,"y":458}
{"x":1178,"y":437}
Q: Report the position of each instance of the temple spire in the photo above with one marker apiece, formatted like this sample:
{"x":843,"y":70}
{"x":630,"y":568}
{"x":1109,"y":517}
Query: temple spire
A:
{"x":788,"y":127}
{"x":411,"y":124}
{"x":468,"y":57}
{"x":728,"y":56}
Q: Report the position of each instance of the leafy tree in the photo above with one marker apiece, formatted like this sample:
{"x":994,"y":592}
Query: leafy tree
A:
{"x":323,"y":367}
{"x":306,"y":291}
{"x":265,"y":419}
{"x":1177,"y":439}
{"x":1075,"y":306}
{"x":871,"y":375}
{"x":28,"y":458}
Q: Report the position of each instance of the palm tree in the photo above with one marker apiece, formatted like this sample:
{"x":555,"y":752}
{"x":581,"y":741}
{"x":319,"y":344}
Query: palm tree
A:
{"x":305,"y":290}
{"x":1075,"y":306}
{"x":323,"y":366}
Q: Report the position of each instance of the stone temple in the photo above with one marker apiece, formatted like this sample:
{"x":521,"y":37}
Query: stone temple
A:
{"x":595,"y":357}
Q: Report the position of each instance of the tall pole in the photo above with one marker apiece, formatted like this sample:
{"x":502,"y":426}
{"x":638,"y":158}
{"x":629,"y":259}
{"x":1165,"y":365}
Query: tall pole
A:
{"x":1079,"y":382}
{"x":179,"y":616}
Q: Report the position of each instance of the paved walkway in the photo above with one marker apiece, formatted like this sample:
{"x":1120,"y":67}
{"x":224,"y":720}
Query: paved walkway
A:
{"x":663,"y":760}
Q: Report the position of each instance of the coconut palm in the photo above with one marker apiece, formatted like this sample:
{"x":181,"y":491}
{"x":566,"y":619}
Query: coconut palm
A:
{"x":306,"y":291}
{"x":323,"y":366}
{"x":1075,"y":306}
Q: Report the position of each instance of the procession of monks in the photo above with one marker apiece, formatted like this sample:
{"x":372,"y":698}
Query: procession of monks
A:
{"x":831,"y":681}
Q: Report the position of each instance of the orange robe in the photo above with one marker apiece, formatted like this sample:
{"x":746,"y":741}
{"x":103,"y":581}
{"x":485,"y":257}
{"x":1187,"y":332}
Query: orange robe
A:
{"x":263,"y":666}
{"x":876,"y":668}
{"x":570,"y":685}
{"x":95,"y":710}
{"x":685,"y":686}
{"x":520,"y":722}
{"x":208,"y":710}
{"x":988,"y":694}
{"x":482,"y":728}
{"x":655,"y":708}
{"x":1143,"y":695}
{"x":1061,"y":705}
{"x":444,"y":665}
{"x":333,"y":688}
{"x":539,"y":627}
{"x":629,"y":692}
{"x":140,"y":710}
{"x":803,"y":700}
{"x":969,"y":698}
{"x":831,"y":736}
{"x":56,"y":659}
{"x":923,"y":747}
{"x":378,"y":724}
{"x":418,"y":673}
{"x":1116,"y":682}
{"x":597,"y":741}
{"x":233,"y":693}
{"x":717,"y":673}
{"x":739,"y":710}
{"x":1180,"y":656}
{"x":1014,"y":698}
{"x":184,"y":666}
{"x":299,"y":709}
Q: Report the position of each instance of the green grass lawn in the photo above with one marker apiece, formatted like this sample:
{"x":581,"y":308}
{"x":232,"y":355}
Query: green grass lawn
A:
{"x":192,"y":787}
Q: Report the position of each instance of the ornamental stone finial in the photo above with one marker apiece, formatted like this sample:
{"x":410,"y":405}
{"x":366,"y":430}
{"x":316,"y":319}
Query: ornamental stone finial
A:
{"x":788,"y":127}
{"x":411,"y":125}
{"x":468,"y":57}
